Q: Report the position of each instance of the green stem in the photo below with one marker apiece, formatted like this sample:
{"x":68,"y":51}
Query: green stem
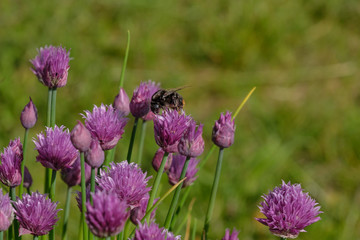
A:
{"x":213,"y":192}
{"x":16,"y":223}
{"x":108,"y":238}
{"x":10,"y":233}
{"x":48,"y":122}
{"x":120,"y":236}
{"x":181,"y":204}
{"x":1,"y":235}
{"x":142,"y":140}
{"x":36,"y":237}
{"x":92,"y":183}
{"x":53,"y":107}
{"x":176,"y":196}
{"x":52,"y":197}
{"x":132,"y":140}
{"x":193,"y":233}
{"x":156,"y":184}
{"x":110,"y":155}
{"x":66,"y":214}
{"x":122,"y":76}
{"x":21,"y":188}
{"x":126,"y":229}
{"x":83,"y":194}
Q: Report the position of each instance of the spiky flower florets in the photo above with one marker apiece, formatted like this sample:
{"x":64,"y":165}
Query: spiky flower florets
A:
{"x":153,"y":87}
{"x":223,"y":131}
{"x":126,"y":180}
{"x":153,"y":232}
{"x":51,"y":66}
{"x":140,"y":101}
{"x":72,"y":176}
{"x":288,"y":210}
{"x":10,"y":167}
{"x":6,"y":212}
{"x":55,"y":148}
{"x":177,"y":165}
{"x":105,"y":124}
{"x":36,"y":214}
{"x":192,"y":143}
{"x":232,"y":236}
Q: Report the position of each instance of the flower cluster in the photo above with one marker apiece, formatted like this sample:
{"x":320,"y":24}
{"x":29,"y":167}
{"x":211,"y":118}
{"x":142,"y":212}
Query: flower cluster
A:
{"x":153,"y":232}
{"x":176,"y":168}
{"x":6,"y":212}
{"x":10,"y":171}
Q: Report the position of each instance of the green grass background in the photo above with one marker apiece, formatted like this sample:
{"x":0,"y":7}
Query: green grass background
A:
{"x":302,"y":124}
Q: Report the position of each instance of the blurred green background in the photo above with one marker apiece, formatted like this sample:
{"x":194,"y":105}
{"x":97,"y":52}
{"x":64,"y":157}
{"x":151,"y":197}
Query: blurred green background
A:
{"x":300,"y":125}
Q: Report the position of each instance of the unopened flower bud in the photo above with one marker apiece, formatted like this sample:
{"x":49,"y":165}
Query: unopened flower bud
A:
{"x":80,"y":137}
{"x":192,"y":143}
{"x":27,"y":178}
{"x":223,"y":131}
{"x":121,"y":102}
{"x":95,"y":155}
{"x":140,"y":101}
{"x":158,"y":157}
{"x":29,"y":115}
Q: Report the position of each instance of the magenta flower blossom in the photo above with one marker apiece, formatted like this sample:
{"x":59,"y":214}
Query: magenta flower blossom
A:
{"x":137,"y":213}
{"x":192,"y":143}
{"x":176,"y":169}
{"x":55,"y":148}
{"x":87,"y":196}
{"x":126,"y":180}
{"x":95,"y":156}
{"x":29,"y":115}
{"x":51,"y":66}
{"x":288,"y":210}
{"x":140,"y":101}
{"x":232,"y":236}
{"x":10,"y":167}
{"x":153,"y":232}
{"x":80,"y":137}
{"x":157,"y":159}
{"x":6,"y":212}
{"x":122,"y":102}
{"x":223,"y":131}
{"x":72,"y":176}
{"x":27,"y":178}
{"x":107,"y":215}
{"x":169,"y":128}
{"x":153,"y":88}
{"x":36,"y":214}
{"x":105,"y":124}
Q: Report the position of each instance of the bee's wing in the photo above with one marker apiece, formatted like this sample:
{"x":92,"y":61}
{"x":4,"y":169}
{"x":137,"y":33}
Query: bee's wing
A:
{"x":172,"y":90}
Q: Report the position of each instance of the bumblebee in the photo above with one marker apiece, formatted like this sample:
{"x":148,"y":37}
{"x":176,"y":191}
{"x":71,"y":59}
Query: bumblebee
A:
{"x":167,"y":98}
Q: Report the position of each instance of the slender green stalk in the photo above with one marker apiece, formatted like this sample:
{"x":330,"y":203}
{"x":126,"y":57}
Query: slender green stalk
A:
{"x":83,"y":194}
{"x":193,"y":233}
{"x":156,"y":183}
{"x":66,"y":214}
{"x":36,"y":237}
{"x":126,"y":229}
{"x":120,"y":236}
{"x":213,"y":192}
{"x":21,"y":188}
{"x":52,"y":197}
{"x":10,"y":233}
{"x":92,"y":183}
{"x":108,"y":238}
{"x":110,"y":155}
{"x":53,"y":107}
{"x":28,"y":190}
{"x":133,"y":133}
{"x":80,"y":233}
{"x":48,"y":122}
{"x":142,"y":140}
{"x":1,"y":235}
{"x":181,"y":204}
{"x":16,"y":223}
{"x":122,"y":76}
{"x":176,"y":196}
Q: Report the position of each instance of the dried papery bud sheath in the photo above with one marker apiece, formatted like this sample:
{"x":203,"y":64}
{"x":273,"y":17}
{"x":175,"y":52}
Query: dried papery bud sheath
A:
{"x":223,"y":131}
{"x":27,"y":178}
{"x":29,"y":115}
{"x":51,"y":66}
{"x":288,"y":210}
{"x":36,"y":214}
{"x":177,"y":165}
{"x":122,"y":102}
{"x":153,"y":87}
{"x":151,"y":231}
{"x":10,"y":167}
{"x":192,"y":143}
{"x":80,"y":137}
{"x":107,"y":215}
{"x":95,"y":155}
{"x":140,"y":101}
{"x":231,"y":236}
{"x":157,"y":159}
{"x":6,"y":212}
{"x":72,"y":175}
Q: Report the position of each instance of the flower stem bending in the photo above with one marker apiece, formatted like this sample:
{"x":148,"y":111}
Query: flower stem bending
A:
{"x":133,"y":133}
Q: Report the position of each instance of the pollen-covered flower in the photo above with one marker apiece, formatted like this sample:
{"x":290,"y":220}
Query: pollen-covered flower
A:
{"x":232,"y":236}
{"x":36,"y":214}
{"x":157,"y":159}
{"x":140,"y":101}
{"x":192,"y":143}
{"x":223,"y":131}
{"x":169,"y":128}
{"x":29,"y":115}
{"x":126,"y":180}
{"x":107,"y":215}
{"x":105,"y":124}
{"x":177,"y":165}
{"x":10,"y":167}
{"x":153,"y":232}
{"x":121,"y":102}
{"x":6,"y":212}
{"x":51,"y":66}
{"x":288,"y":210}
{"x":153,"y":88}
{"x":72,"y":176}
{"x":55,"y":148}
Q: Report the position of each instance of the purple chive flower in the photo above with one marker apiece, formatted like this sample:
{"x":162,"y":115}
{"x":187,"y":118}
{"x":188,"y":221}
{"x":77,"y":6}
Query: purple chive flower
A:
{"x":105,"y":124}
{"x":6,"y":212}
{"x":29,"y":115}
{"x":36,"y":214}
{"x":232,"y":236}
{"x":153,"y":88}
{"x":223,"y":131}
{"x":153,"y":232}
{"x":192,"y":143}
{"x":80,"y":137}
{"x":126,"y":180}
{"x":27,"y":178}
{"x":121,"y":102}
{"x":158,"y":157}
{"x":72,"y":176}
{"x":107,"y":215}
{"x":137,"y":213}
{"x":51,"y":66}
{"x":87,"y":196}
{"x":140,"y":101}
{"x":55,"y":148}
{"x":169,"y":128}
{"x":176,"y":168}
{"x":288,"y":210}
{"x":95,"y":155}
{"x":10,"y":167}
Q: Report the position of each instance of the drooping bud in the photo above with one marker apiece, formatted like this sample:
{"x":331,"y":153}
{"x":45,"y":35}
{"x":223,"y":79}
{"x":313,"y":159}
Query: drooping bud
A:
{"x":95,"y":155}
{"x":121,"y":102}
{"x":158,"y":157}
{"x":192,"y":143}
{"x":223,"y":131}
{"x":80,"y":137}
{"x":29,"y":115}
{"x":27,"y":178}
{"x":140,"y":101}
